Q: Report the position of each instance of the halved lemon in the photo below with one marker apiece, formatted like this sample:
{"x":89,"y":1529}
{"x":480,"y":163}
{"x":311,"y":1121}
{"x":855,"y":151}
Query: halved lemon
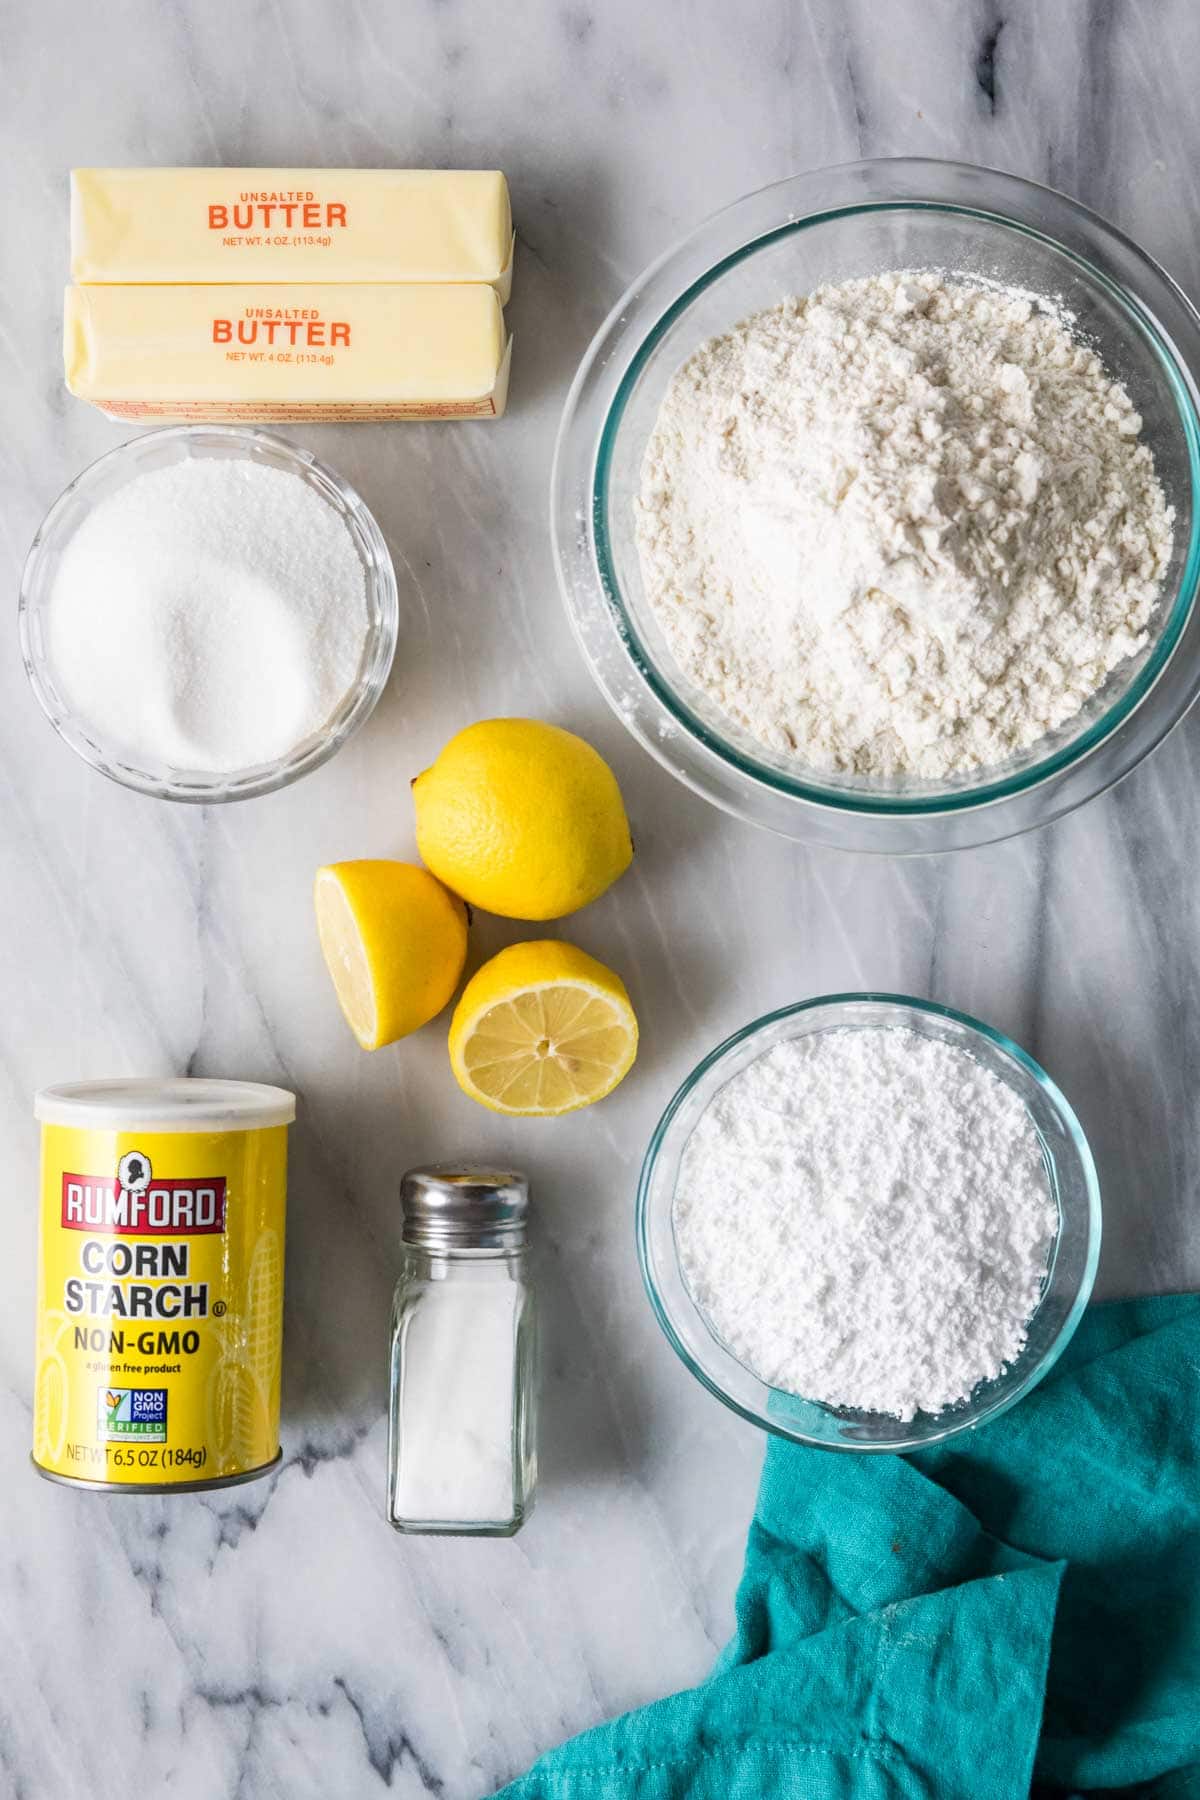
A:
{"x":542,"y":1029}
{"x":394,"y":941}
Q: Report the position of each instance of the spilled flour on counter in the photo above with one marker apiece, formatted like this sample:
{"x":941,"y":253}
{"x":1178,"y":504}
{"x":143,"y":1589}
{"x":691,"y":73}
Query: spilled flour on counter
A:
{"x":903,"y":526}
{"x":865,"y":1218}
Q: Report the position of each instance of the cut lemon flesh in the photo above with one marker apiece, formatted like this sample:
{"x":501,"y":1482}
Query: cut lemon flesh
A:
{"x":540,"y":1047}
{"x":346,"y":959}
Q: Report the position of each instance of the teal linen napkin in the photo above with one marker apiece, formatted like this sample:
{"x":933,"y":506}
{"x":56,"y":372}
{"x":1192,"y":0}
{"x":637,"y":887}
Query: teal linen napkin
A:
{"x":1016,"y":1612}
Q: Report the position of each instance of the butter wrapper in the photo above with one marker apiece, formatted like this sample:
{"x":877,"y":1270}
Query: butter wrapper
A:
{"x":269,"y":353}
{"x":304,"y":225}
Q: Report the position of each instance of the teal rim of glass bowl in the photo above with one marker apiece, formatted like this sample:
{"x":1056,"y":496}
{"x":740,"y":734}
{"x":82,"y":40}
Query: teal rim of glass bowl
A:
{"x":1074,"y":1131}
{"x":947,"y":800}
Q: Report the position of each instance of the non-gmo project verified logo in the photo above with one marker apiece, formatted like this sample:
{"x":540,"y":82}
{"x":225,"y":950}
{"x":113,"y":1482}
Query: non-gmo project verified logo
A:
{"x":133,"y":1413}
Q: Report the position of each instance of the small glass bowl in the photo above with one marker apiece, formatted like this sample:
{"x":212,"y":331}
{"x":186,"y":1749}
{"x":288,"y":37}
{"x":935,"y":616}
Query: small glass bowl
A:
{"x":156,"y":450}
{"x":829,"y":226}
{"x":1069,"y":1277}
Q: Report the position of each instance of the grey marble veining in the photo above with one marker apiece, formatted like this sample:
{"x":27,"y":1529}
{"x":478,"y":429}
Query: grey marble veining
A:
{"x":278,"y":1640}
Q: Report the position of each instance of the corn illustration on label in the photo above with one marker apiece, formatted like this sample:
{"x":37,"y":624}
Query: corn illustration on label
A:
{"x":160,"y":1304}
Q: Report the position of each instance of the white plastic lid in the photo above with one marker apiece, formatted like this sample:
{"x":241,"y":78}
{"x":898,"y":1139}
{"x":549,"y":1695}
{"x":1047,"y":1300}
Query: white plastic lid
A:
{"x":176,"y":1103}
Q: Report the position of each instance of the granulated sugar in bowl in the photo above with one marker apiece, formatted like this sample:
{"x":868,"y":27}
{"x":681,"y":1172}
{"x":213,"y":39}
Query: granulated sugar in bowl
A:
{"x":207,"y":613}
{"x":868,"y":1222}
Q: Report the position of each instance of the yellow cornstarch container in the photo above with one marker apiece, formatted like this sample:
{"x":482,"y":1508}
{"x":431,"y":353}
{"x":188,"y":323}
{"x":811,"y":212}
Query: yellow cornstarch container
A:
{"x":160,"y":1283}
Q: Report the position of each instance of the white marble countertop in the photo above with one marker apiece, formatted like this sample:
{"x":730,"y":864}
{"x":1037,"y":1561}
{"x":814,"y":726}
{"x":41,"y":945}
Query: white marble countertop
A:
{"x":278,"y":1639}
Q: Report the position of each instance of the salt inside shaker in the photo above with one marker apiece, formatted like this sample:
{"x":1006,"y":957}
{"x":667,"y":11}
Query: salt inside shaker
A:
{"x":462,"y":1439}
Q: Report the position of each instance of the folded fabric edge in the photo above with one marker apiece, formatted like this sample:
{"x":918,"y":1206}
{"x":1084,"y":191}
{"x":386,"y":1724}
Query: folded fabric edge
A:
{"x":865,"y":1689}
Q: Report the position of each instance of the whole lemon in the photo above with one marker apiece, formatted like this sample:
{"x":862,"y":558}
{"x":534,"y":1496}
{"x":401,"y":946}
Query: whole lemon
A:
{"x":522,"y":819}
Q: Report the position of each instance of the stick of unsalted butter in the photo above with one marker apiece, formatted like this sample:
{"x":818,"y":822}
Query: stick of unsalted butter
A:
{"x":221,"y":225}
{"x":265,"y":353}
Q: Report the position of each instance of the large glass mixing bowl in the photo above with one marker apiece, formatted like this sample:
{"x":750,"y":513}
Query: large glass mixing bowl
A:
{"x":830,"y":226}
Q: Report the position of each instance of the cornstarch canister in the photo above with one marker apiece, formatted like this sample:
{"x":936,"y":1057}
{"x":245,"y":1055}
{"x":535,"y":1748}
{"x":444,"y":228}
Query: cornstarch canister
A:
{"x":160,"y":1282}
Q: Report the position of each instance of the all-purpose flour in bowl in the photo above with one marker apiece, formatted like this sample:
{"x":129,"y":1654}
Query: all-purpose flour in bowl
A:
{"x":905,"y":525}
{"x":208,"y":615}
{"x":865,"y":1219}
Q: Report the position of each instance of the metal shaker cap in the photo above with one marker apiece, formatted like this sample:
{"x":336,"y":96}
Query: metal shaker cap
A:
{"x":449,"y":1207}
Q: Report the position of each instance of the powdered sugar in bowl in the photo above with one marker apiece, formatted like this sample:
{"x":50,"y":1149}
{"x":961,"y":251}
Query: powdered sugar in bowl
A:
{"x":724,"y":648}
{"x":207,"y":613}
{"x":908,"y":1313}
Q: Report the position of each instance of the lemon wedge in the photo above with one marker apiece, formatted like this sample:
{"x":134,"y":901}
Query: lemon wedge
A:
{"x":394,"y":942}
{"x":542,"y":1029}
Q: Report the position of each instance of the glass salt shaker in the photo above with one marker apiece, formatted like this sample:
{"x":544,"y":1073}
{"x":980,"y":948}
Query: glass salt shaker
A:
{"x":462,"y":1427}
